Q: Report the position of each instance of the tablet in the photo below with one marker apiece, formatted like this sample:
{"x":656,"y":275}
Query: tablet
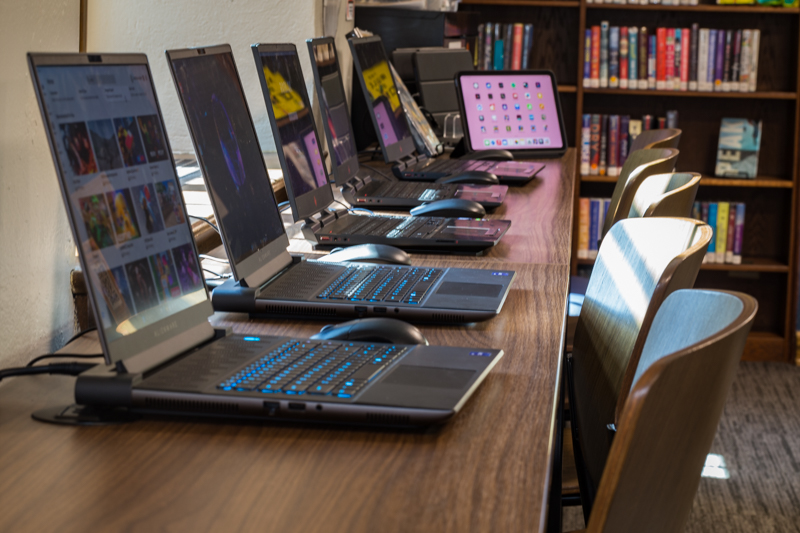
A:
{"x":517,"y":110}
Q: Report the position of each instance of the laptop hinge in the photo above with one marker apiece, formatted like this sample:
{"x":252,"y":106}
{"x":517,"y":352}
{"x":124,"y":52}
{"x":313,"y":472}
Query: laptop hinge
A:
{"x":267,"y":271}
{"x":406,"y":161}
{"x":164,"y":351}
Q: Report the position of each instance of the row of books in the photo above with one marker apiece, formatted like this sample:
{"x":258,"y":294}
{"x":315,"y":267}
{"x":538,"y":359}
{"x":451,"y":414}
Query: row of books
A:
{"x":727,"y":221}
{"x":503,"y":46}
{"x":784,"y":3}
{"x":606,"y":140}
{"x":591,"y":217}
{"x":671,"y":59}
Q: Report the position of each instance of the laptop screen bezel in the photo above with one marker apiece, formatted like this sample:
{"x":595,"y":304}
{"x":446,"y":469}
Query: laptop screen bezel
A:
{"x":518,"y":152}
{"x":392,"y":152}
{"x":166,"y":328}
{"x":340,"y":173}
{"x":250,"y":265}
{"x":315,"y":201}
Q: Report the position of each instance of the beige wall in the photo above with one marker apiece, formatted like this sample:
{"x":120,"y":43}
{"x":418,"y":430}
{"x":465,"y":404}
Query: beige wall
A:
{"x":36,"y":248}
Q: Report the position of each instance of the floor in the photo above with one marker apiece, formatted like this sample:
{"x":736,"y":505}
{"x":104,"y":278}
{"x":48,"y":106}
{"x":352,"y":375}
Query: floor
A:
{"x":752,"y":482}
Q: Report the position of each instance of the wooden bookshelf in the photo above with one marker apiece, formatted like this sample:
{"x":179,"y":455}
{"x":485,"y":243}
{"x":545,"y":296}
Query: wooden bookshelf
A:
{"x":769,"y":271}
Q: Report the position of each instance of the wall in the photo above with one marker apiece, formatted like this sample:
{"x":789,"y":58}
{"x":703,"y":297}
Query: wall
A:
{"x":36,"y":248}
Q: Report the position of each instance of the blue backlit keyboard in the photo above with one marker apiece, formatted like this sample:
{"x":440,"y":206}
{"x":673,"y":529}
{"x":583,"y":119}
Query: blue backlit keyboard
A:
{"x":382,"y":284}
{"x":324,"y":368}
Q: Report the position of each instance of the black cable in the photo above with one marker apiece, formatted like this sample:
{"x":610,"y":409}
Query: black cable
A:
{"x":79,"y":335}
{"x":387,"y":176}
{"x":54,"y":355}
{"x":69,"y":369}
{"x":206,"y":221}
{"x":360,"y":209}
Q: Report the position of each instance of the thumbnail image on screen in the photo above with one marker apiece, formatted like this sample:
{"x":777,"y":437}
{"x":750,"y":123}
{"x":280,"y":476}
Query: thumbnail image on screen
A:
{"x":294,"y":121}
{"x":228,"y":152}
{"x":333,"y":103}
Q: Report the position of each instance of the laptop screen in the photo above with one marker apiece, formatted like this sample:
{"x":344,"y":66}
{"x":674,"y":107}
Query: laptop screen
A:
{"x":511,"y":111}
{"x":333,"y":104}
{"x":228,"y":152}
{"x":122,"y":193}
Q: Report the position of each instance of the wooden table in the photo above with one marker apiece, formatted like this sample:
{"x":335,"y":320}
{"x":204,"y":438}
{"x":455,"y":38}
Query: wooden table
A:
{"x":488,"y":469}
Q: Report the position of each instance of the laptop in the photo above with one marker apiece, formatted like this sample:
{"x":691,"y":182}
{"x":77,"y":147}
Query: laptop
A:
{"x":359,"y":186}
{"x":267,"y":280}
{"x":518,"y":111}
{"x":389,"y":120}
{"x":310,"y":194}
{"x":120,"y":190}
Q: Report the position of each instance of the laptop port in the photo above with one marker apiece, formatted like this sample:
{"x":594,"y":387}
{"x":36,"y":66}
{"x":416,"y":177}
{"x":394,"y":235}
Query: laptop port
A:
{"x":272,"y":407}
{"x":361,"y":309}
{"x":297,"y":406}
{"x":379,"y":309}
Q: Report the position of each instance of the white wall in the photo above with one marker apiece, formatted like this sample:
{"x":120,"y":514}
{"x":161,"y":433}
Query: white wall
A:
{"x":36,"y":248}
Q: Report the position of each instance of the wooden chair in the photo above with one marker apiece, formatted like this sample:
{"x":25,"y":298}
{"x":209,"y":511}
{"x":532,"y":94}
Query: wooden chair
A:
{"x":666,"y":195}
{"x":641,"y":261}
{"x":668,"y":423}
{"x":666,"y":138}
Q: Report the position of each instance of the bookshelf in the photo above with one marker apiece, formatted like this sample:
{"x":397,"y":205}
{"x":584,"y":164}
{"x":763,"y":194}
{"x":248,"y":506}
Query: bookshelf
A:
{"x":769,"y":266}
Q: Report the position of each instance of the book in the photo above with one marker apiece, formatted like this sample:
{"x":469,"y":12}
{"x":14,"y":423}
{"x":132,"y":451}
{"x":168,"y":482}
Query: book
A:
{"x":644,"y":43}
{"x":498,"y":61}
{"x":722,"y":231}
{"x":696,"y":211}
{"x":516,"y":46}
{"x":744,"y":62}
{"x":736,"y":57}
{"x":613,"y":146}
{"x":647,"y":122}
{"x":633,"y":57}
{"x":478,"y":60}
{"x":726,"y":61}
{"x":613,"y":57}
{"x":719,"y":61}
{"x":586,"y":139}
{"x":624,"y":135}
{"x":686,"y":43}
{"x":731,"y":233}
{"x":595,"y":57}
{"x":634,"y":129}
{"x":712,"y":56}
{"x":488,"y":46}
{"x":711,"y":253}
{"x":594,"y":146}
{"x":669,"y":60}
{"x":508,"y":45}
{"x":587,"y":58}
{"x":672,"y":118}
{"x":603,"y":167}
{"x":583,"y":228}
{"x":739,"y":143}
{"x":739,"y":234}
{"x":623,"y":57}
{"x":693,"y":48}
{"x":604,"y":54}
{"x":755,"y":41}
{"x":702,"y":59}
{"x":651,"y":62}
{"x":527,"y":45}
{"x":594,"y":226}
{"x":661,"y":58}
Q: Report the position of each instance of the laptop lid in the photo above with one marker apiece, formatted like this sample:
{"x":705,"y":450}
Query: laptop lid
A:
{"x":229,"y":155}
{"x":385,"y":109}
{"x":333,"y":105}
{"x":519,"y":111}
{"x":123,"y":202}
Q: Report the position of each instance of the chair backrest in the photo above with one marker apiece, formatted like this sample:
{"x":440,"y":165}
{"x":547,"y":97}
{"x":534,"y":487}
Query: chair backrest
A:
{"x":666,"y":195}
{"x":668,"y":424}
{"x":640,"y":262}
{"x":666,"y":138}
{"x":639,"y":165}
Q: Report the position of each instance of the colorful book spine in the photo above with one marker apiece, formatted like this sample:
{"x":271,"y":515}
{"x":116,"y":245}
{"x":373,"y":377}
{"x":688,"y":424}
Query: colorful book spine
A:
{"x":527,"y":45}
{"x":604,"y":54}
{"x":702,"y":59}
{"x":516,"y":48}
{"x":594,"y":146}
{"x":669,"y":59}
{"x":722,"y":231}
{"x":595,"y":57}
{"x":603,"y":145}
{"x":686,"y":43}
{"x":478,"y":59}
{"x":583,"y":228}
{"x":623,"y":57}
{"x":731,"y":233}
{"x":644,"y":43}
{"x":633,"y":57}
{"x":594,"y":226}
{"x":586,"y":141}
{"x":711,"y":254}
{"x":726,"y":61}
{"x":712,"y":58}
{"x":606,"y":206}
{"x":613,"y":57}
{"x":696,"y":211}
{"x":672,"y":118}
{"x":497,"y":59}
{"x":755,"y":42}
{"x":488,"y":46}
{"x":613,"y":145}
{"x":719,"y":61}
{"x":634,"y":129}
{"x":736,"y":59}
{"x":676,"y":76}
{"x":508,"y":46}
{"x":587,"y":58}
{"x":624,"y":125}
{"x":693,"y":66}
{"x":661,"y":58}
{"x":739,"y":235}
{"x":744,"y":63}
{"x":651,"y":62}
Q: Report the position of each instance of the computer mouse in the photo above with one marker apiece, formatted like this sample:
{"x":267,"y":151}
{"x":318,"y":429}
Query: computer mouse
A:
{"x":452,"y":207}
{"x":373,"y":330}
{"x":494,"y":155}
{"x":476,"y":177}
{"x":368,"y":253}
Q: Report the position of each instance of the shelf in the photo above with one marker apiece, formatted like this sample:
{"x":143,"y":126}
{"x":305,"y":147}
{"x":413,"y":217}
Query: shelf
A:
{"x":526,"y":3}
{"x":567,"y":89}
{"x":749,"y":264}
{"x":764,"y":182}
{"x":758,"y":95}
{"x":708,"y":8}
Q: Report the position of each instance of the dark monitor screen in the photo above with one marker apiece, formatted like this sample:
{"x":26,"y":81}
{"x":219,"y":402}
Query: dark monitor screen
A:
{"x":228,"y":152}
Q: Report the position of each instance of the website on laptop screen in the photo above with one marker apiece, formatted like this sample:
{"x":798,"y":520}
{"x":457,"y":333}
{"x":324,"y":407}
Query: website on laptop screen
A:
{"x":229,"y":152}
{"x":294,"y":121}
{"x":123,"y":193}
{"x":333,"y":102}
{"x":511,"y":111}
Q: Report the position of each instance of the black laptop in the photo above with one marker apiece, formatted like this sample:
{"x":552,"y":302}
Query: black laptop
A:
{"x":388,"y":118}
{"x":360,"y":186}
{"x":267,"y":279}
{"x":310,"y":193}
{"x":122,"y":198}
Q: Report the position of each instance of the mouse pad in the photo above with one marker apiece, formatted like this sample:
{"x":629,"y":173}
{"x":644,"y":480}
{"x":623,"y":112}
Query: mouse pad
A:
{"x":425,"y":376}
{"x":486,"y":290}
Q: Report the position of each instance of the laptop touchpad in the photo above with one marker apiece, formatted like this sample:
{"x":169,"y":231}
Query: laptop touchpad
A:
{"x":486,"y":290}
{"x":426,"y":376}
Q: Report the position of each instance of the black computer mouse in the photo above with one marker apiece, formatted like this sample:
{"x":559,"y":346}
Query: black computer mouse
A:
{"x":368,"y":253}
{"x":373,"y":330}
{"x":452,"y":207}
{"x":494,"y":155}
{"x":475,"y":177}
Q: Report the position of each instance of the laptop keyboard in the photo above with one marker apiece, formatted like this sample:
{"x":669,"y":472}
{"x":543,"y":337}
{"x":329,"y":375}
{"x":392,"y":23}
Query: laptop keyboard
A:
{"x":368,"y":283}
{"x":389,"y":226}
{"x":322,"y":368}
{"x":450,"y":166}
{"x":424,"y":192}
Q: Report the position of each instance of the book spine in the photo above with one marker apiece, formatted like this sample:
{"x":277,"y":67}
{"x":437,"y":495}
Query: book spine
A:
{"x":594,"y":167}
{"x":613,"y":145}
{"x":693,"y":45}
{"x":672,"y":118}
{"x":604,"y":54}
{"x":702,"y":60}
{"x":587,"y":58}
{"x":606,"y":202}
{"x":739,"y":236}
{"x":633,"y":57}
{"x":731,"y":233}
{"x":623,"y":57}
{"x":744,"y":62}
{"x":719,"y":61}
{"x":711,"y":254}
{"x":651,"y":62}
{"x":704,"y":218}
{"x":595,"y":57}
{"x":488,"y":47}
{"x":755,"y":41}
{"x":478,"y":63}
{"x":644,"y":43}
{"x":527,"y":45}
{"x":676,"y":74}
{"x":726,"y":61}
{"x":508,"y":46}
{"x":722,"y":231}
{"x":647,"y":122}
{"x":686,"y":43}
{"x":516,"y":47}
{"x":661,"y":58}
{"x":736,"y":59}
{"x":603,"y":144}
{"x":498,"y":47}
{"x":613,"y":57}
{"x":669,"y":59}
{"x":712,"y":56}
{"x":594,"y":226}
{"x":583,"y":228}
{"x":586,"y":140}
{"x":634,"y":129}
{"x":624,"y":121}
{"x":696,"y":211}
{"x":662,"y":123}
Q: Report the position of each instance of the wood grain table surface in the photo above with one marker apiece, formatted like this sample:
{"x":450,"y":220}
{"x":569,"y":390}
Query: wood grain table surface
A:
{"x":488,"y":469}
